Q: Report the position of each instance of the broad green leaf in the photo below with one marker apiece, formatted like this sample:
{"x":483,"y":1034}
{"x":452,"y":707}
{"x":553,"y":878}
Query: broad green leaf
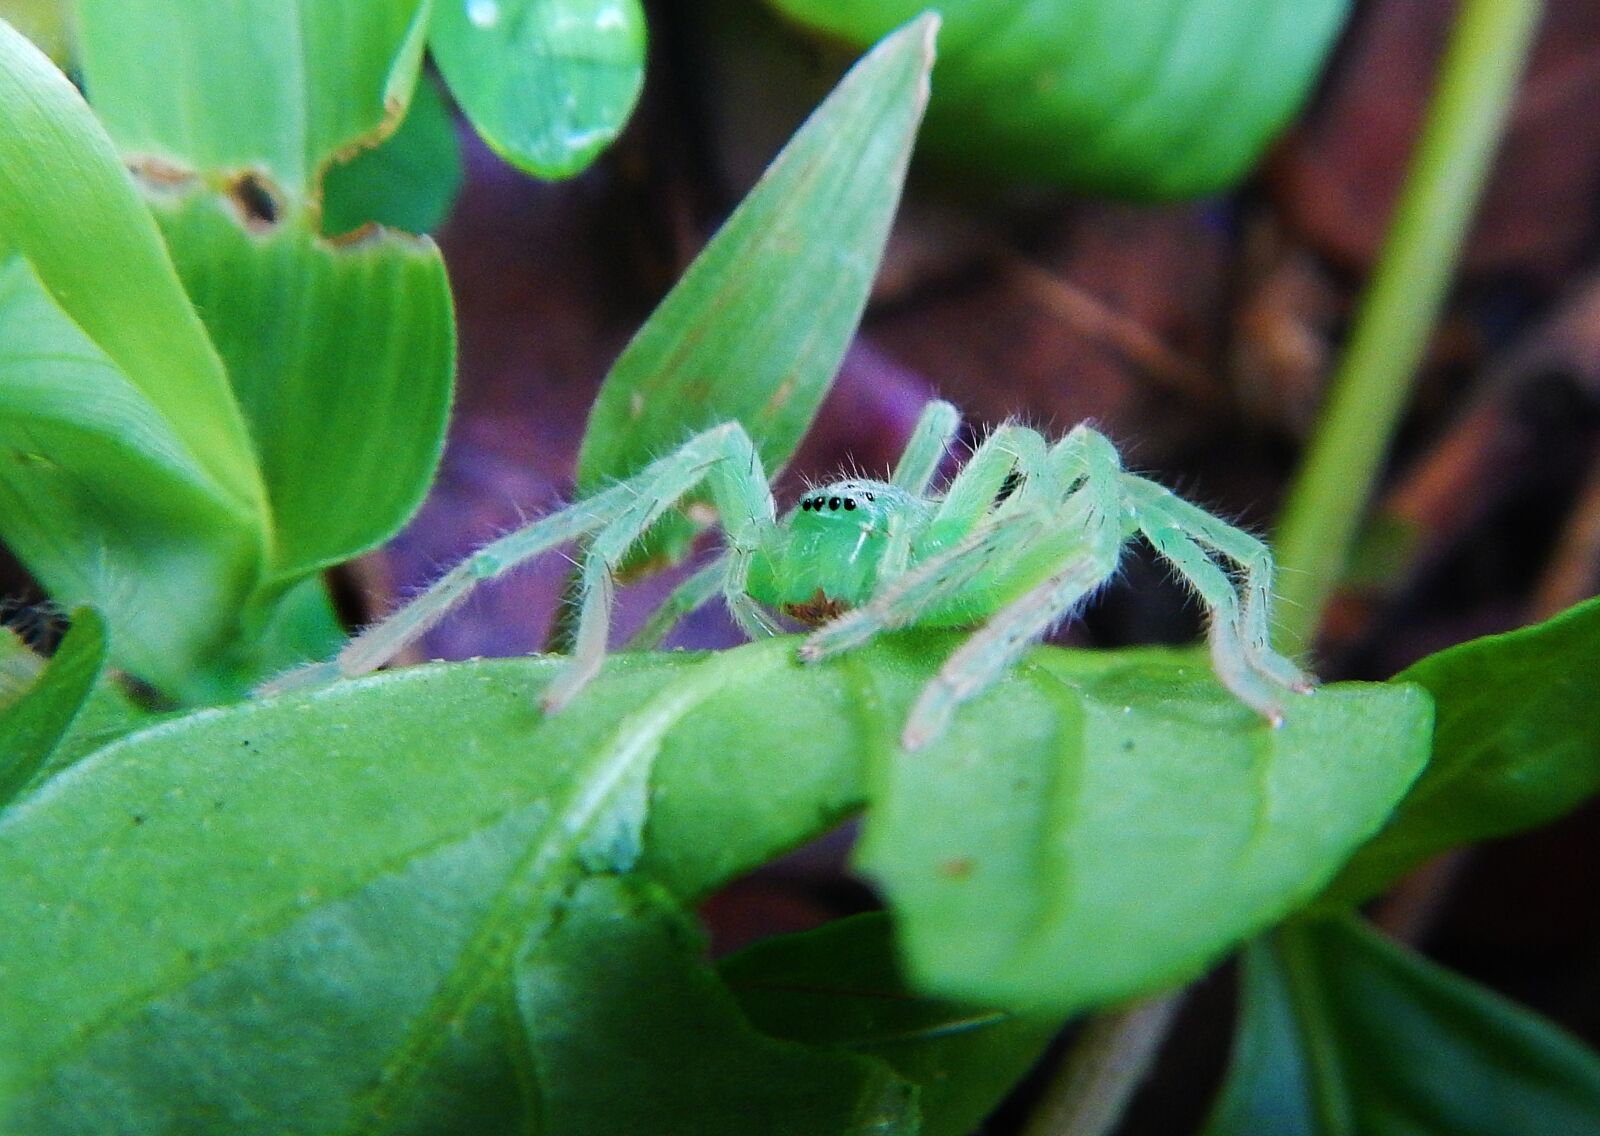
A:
{"x":103,"y":502}
{"x":342,"y":355}
{"x":760,"y":321}
{"x":313,"y":905}
{"x":71,"y":211}
{"x":1164,"y":98}
{"x":1137,"y":823}
{"x":408,"y":182}
{"x":32,"y":727}
{"x":547,"y":83}
{"x":841,"y":987}
{"x":19,"y":666}
{"x":628,"y":1030}
{"x":250,"y":85}
{"x":1343,"y":1032}
{"x":1516,"y":744}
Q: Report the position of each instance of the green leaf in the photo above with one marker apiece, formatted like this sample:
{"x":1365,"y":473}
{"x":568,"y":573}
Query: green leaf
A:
{"x":1165,"y":98}
{"x":48,"y":23}
{"x":101,"y":500}
{"x":759,"y":323}
{"x":32,"y":727}
{"x":547,"y":83}
{"x":261,"y":85}
{"x":72,"y":212}
{"x":1516,"y":744}
{"x":1344,"y":1032}
{"x":841,"y":987}
{"x":628,"y":1030}
{"x":313,"y":905}
{"x":408,"y":182}
{"x":342,"y":356}
{"x":1135,"y":822}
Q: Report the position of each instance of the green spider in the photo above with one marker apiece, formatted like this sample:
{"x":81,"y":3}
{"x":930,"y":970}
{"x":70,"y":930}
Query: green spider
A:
{"x":1017,"y":540}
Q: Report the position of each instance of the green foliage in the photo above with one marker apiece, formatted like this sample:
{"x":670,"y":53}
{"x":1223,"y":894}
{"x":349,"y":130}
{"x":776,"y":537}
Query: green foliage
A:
{"x":547,"y":83}
{"x":1344,"y":1032}
{"x":262,"y":85}
{"x":1130,"y":816}
{"x":841,"y":987}
{"x":1517,"y":743}
{"x":758,"y":325}
{"x":1164,"y":98}
{"x":408,"y":182}
{"x":33,"y":725}
{"x":335,"y":890}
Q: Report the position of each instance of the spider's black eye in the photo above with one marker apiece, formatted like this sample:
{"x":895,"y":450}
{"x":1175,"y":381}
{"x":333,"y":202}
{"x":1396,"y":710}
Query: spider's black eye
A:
{"x":833,"y":502}
{"x":806,"y":505}
{"x":849,"y":502}
{"x":870,"y":497}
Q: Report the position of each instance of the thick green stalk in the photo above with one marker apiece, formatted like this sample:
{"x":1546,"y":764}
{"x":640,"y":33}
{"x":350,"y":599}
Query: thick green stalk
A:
{"x":1329,"y":496}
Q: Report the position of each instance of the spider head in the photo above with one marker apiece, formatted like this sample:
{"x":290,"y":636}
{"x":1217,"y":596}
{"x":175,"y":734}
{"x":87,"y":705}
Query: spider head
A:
{"x":828,"y":548}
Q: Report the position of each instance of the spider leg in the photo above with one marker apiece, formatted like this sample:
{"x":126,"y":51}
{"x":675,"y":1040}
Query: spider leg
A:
{"x":723,"y":458}
{"x":995,"y":647}
{"x":1233,"y":657}
{"x":919,"y":463}
{"x":1255,"y":563}
{"x":976,"y":490}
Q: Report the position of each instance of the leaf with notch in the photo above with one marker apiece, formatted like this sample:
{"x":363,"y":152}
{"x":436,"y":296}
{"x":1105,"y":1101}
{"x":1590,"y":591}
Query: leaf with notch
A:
{"x":547,"y":83}
{"x":1164,"y":98}
{"x":1343,"y":1032}
{"x":342,"y":355}
{"x":1517,"y":744}
{"x":264,"y":85}
{"x":758,"y":325}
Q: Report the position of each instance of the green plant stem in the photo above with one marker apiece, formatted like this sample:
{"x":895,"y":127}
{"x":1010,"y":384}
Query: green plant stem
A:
{"x":1089,"y":1091}
{"x":1475,"y":91}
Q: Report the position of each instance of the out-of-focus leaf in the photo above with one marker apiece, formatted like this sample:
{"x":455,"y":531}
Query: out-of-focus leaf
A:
{"x":48,"y":23}
{"x":32,"y":727}
{"x":342,"y":356}
{"x":1163,"y":98}
{"x":1516,"y":744}
{"x":274,"y":86}
{"x":759,"y":323}
{"x":841,"y":987}
{"x":70,"y":210}
{"x":547,"y":83}
{"x":629,"y":1030}
{"x":408,"y":182}
{"x":1343,"y":1032}
{"x":312,"y":906}
{"x":1138,"y":822}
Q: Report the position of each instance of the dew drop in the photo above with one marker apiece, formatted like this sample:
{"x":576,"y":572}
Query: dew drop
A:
{"x":483,"y":13}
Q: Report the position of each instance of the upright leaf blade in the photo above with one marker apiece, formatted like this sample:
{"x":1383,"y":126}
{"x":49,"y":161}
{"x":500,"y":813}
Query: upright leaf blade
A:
{"x":253,"y":84}
{"x":1517,"y":744}
{"x":1148,"y":823}
{"x":1164,"y":98}
{"x":32,"y":727}
{"x":1343,"y":1032}
{"x":547,"y":83}
{"x":71,"y":210}
{"x":760,"y":321}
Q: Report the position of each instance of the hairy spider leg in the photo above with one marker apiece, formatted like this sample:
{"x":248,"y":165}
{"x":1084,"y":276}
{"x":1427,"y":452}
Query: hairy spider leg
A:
{"x":997,"y":646}
{"x":1255,"y":562}
{"x":725,"y":460}
{"x":688,"y":596}
{"x":970,"y":498}
{"x":930,"y":440}
{"x":384,"y":640}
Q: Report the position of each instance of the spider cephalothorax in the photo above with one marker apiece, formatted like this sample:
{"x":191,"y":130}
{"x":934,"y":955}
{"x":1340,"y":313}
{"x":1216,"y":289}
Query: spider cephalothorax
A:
{"x":1012,"y":545}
